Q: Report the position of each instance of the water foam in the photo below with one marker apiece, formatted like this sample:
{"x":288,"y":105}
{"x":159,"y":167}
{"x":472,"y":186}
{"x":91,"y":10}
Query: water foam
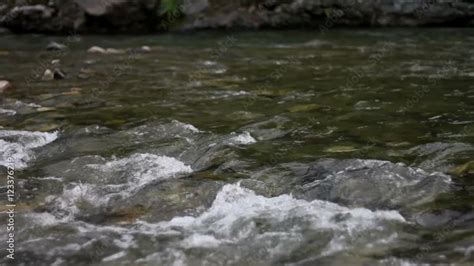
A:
{"x":144,"y":168}
{"x":19,"y":145}
{"x":242,"y":139}
{"x":7,"y":112}
{"x":237,"y":215}
{"x":138,"y":171}
{"x":241,"y":224}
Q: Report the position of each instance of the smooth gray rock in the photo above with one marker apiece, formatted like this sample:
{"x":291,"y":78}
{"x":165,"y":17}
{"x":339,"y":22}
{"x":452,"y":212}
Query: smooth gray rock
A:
{"x":372,"y":184}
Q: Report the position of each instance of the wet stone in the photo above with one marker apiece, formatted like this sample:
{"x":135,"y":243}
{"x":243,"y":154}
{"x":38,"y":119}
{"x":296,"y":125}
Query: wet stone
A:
{"x":58,"y":74}
{"x":4,"y":86}
{"x":54,"y":46}
{"x":371,"y":184}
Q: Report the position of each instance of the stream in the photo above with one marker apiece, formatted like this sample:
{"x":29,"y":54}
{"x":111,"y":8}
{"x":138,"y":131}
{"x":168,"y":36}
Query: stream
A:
{"x":352,"y":147}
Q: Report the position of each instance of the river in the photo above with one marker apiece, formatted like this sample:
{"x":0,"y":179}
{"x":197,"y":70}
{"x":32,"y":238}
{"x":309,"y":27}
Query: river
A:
{"x":241,"y":148}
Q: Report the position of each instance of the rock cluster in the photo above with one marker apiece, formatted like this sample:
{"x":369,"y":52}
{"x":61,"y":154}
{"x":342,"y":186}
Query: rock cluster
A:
{"x":67,"y":16}
{"x":71,"y":16}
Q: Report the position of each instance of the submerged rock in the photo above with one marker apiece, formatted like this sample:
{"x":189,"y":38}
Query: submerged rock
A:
{"x":19,"y":145}
{"x":341,"y":149}
{"x":466,"y":169}
{"x":304,"y":108}
{"x":440,"y":156}
{"x":270,"y":129}
{"x":236,"y":223}
{"x":370,"y":184}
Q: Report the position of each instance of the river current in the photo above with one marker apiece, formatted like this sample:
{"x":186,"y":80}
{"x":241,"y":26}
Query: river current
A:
{"x":352,"y":147}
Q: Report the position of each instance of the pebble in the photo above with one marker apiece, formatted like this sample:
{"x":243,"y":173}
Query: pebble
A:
{"x":100,"y":50}
{"x":146,"y":49}
{"x":96,"y":49}
{"x":4,"y":85}
{"x":54,"y":46}
{"x":57,"y":74}
{"x":114,"y":51}
{"x":48,"y":75}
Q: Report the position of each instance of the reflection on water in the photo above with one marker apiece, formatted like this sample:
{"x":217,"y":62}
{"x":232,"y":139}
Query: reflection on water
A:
{"x":276,"y":148}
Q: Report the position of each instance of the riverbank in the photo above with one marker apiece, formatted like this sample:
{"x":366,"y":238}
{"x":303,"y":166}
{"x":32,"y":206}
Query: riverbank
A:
{"x":126,"y":16}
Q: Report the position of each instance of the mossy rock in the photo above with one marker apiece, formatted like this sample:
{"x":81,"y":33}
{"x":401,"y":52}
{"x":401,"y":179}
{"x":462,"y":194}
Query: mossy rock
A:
{"x":272,"y":93}
{"x":45,"y":109}
{"x":116,"y":122}
{"x":466,"y":169}
{"x":341,"y":149}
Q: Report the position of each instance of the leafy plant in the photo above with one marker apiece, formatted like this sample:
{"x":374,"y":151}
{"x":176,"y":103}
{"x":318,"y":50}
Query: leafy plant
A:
{"x":170,"y":8}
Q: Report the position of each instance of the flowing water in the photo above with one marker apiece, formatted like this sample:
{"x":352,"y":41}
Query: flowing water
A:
{"x":252,"y":148}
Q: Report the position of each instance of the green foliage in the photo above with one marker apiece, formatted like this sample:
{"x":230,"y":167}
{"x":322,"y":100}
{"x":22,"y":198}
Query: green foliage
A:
{"x":170,"y":8}
{"x":170,"y":12}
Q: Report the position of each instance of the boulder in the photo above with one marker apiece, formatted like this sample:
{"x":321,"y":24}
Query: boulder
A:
{"x":120,"y":15}
{"x":59,"y":17}
{"x":28,"y":18}
{"x":71,"y":16}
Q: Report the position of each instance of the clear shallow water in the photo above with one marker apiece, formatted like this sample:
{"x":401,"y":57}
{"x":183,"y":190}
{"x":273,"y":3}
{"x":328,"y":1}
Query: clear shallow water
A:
{"x":266,"y":148}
